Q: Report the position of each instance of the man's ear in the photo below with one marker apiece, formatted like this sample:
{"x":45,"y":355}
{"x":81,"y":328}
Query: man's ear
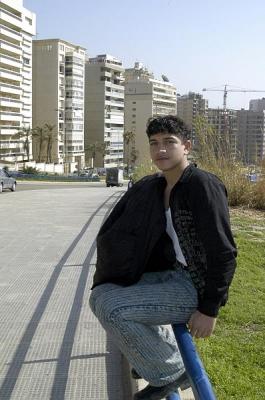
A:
{"x":187,"y":145}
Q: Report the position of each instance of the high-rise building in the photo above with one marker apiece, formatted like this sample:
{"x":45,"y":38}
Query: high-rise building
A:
{"x":257,"y":104}
{"x":104,"y":117}
{"x":17,"y":26}
{"x":251,"y":136}
{"x":58,"y":100}
{"x":224,"y":124}
{"x":145,"y":97}
{"x":190,"y":106}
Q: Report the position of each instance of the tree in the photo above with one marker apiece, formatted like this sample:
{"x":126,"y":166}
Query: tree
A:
{"x":131,"y":153}
{"x":49,"y":129}
{"x":25,"y":133}
{"x":94,"y":148}
{"x":40,"y":134}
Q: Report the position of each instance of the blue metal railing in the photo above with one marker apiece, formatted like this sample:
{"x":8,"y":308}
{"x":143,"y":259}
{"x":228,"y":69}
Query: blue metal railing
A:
{"x":201,"y":386}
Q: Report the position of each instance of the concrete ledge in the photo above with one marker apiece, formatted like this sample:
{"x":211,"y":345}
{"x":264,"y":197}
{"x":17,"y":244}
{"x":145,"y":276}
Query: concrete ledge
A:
{"x":141,"y":383}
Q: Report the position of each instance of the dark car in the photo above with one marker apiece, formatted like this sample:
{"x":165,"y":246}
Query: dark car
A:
{"x":6,"y":181}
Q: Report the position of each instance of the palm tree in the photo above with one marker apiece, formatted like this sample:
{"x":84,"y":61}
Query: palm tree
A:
{"x":49,"y":137}
{"x":91,"y":149}
{"x":40,"y":134}
{"x":25,"y":132}
{"x":129,"y":139}
{"x":94,"y":148}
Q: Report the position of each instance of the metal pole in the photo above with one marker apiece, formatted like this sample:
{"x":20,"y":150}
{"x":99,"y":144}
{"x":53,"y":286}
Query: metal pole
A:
{"x":173,"y":396}
{"x":201,"y":386}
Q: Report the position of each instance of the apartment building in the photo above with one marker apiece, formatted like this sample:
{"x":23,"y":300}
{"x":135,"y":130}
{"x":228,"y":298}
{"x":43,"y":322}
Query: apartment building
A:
{"x":104,"y":118}
{"x":190,"y":106}
{"x":251,"y":136}
{"x":58,"y":100}
{"x":145,"y":97}
{"x":224,"y":124}
{"x":17,"y":27}
{"x":257,"y":105}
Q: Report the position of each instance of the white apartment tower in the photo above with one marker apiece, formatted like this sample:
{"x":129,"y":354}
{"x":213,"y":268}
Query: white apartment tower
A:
{"x":58,"y":100}
{"x":145,"y":97}
{"x":17,"y":26}
{"x":104,"y":116}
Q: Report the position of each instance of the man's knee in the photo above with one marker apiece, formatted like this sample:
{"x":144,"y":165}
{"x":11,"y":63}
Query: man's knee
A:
{"x":92,"y":301}
{"x":102,"y":307}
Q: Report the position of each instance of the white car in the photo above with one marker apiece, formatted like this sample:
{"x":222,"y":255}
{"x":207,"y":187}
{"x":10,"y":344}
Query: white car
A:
{"x":6,"y":181}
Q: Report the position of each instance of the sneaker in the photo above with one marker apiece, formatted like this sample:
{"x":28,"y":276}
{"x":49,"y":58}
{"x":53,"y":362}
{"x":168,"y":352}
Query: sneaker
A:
{"x":159,"y":392}
{"x":134,"y":374}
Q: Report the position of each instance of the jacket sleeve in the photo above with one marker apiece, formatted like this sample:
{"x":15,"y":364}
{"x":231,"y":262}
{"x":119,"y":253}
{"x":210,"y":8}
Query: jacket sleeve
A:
{"x":114,"y":214}
{"x":212,"y":223}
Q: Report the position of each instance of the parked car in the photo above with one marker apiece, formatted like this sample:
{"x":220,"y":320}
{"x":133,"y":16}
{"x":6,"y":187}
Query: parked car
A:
{"x":6,"y":181}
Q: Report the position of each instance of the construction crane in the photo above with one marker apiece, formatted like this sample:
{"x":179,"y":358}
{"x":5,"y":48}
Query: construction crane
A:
{"x":225,"y":91}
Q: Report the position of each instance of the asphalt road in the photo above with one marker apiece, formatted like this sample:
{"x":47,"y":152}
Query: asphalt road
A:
{"x":22,"y":185}
{"x":51,"y":345}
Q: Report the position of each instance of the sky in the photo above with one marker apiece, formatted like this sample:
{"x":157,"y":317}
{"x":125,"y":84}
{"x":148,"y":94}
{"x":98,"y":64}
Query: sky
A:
{"x":196,"y":43}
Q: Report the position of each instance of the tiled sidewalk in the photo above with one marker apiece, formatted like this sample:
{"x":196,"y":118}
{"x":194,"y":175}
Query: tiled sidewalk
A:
{"x":51,"y":346}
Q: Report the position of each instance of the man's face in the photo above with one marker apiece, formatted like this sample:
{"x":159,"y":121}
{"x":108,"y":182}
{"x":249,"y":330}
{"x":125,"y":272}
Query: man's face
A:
{"x":168,"y":151}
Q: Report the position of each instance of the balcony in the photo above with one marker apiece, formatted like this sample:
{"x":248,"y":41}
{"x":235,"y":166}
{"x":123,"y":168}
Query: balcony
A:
{"x":13,"y":77}
{"x":10,"y":47}
{"x":5,"y":102}
{"x":6,"y":117}
{"x":13,"y":63}
{"x":10,"y":74}
{"x":11,"y":18}
{"x":9,"y":55}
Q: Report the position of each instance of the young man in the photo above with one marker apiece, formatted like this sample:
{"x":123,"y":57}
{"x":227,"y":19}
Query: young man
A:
{"x":165,"y":255}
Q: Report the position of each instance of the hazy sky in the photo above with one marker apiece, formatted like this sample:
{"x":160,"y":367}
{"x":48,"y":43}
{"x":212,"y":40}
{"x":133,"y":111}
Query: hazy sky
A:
{"x":195,"y":43}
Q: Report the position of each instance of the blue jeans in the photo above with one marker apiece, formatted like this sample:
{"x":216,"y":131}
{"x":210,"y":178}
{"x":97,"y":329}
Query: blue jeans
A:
{"x":136,"y":316}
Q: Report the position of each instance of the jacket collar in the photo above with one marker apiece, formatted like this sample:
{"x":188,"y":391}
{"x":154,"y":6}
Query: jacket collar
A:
{"x":188,"y":171}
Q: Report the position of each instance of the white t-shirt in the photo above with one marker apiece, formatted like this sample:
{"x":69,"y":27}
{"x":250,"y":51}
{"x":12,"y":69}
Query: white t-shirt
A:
{"x":172,"y":233}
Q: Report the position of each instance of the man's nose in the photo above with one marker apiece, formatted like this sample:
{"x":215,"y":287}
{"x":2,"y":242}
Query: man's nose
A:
{"x":162,"y":147}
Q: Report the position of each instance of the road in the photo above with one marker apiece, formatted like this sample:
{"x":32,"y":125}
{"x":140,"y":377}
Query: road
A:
{"x":51,"y":346}
{"x":28,"y":185}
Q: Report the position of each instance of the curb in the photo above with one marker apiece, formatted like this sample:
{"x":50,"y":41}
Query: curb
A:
{"x":139,"y":384}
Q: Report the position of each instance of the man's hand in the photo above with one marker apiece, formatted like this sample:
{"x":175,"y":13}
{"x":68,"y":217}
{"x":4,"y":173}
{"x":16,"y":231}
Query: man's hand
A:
{"x":201,"y":325}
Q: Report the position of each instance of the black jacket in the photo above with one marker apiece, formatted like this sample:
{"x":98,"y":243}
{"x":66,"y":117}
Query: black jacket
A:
{"x":133,"y":239}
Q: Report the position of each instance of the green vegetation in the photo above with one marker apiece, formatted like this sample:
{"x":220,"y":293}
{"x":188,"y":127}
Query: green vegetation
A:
{"x":234,"y":356}
{"x":216,"y":153}
{"x":30,"y":170}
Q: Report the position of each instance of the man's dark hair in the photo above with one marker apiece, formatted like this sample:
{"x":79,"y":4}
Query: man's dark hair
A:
{"x":168,"y":124}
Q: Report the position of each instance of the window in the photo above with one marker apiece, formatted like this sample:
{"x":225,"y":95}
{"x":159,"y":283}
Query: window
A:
{"x":29,"y":20}
{"x":48,"y":47}
{"x":26,"y":60}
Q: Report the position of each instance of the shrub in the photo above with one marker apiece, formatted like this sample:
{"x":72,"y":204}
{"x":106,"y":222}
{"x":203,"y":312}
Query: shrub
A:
{"x":30,"y":170}
{"x":146,"y":168}
{"x":258,"y":198}
{"x":216,"y":154}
